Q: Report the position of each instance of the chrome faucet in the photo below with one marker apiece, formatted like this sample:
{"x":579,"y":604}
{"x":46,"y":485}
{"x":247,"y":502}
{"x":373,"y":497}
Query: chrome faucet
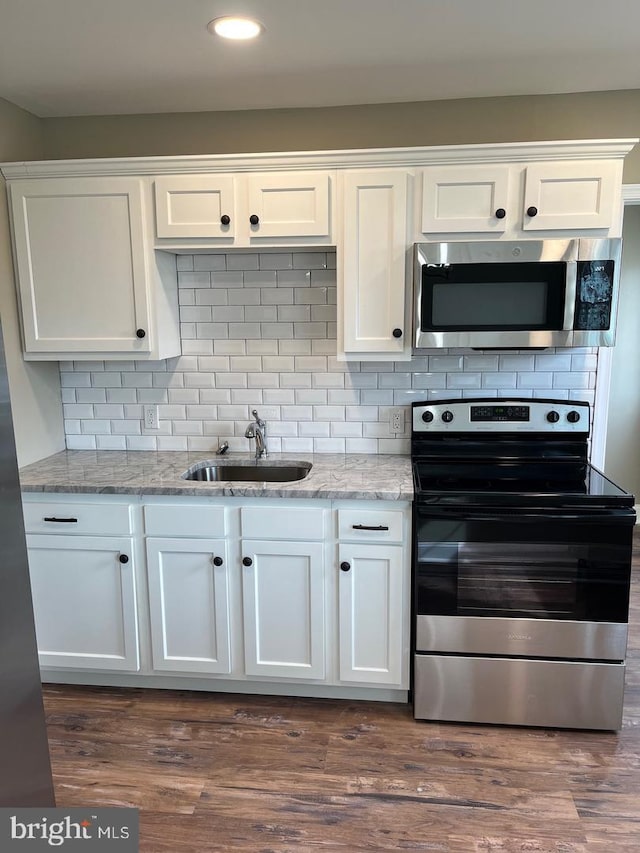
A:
{"x":258,"y":429}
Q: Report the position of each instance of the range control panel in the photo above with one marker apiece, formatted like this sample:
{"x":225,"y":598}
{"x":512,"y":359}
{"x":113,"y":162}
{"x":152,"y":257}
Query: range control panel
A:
{"x":511,"y":415}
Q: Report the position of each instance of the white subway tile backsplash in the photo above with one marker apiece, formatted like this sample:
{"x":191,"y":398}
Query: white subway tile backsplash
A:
{"x":258,"y":331}
{"x":81,"y":442}
{"x":535,"y":380}
{"x":184,"y":262}
{"x":207,"y":262}
{"x":111,"y":442}
{"x":238,"y":261}
{"x":93,"y":395}
{"x":276,"y":261}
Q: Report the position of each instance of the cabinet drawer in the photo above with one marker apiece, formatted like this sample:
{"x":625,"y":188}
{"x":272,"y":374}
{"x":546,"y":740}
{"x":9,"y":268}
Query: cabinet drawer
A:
{"x":290,"y":523}
{"x":370,"y":525}
{"x":88,"y":519}
{"x":184,"y":520}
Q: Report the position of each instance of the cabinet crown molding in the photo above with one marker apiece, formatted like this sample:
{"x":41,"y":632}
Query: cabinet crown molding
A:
{"x":511,"y":152}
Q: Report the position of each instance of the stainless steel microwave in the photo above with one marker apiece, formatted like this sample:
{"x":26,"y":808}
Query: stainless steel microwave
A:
{"x":532,"y":293}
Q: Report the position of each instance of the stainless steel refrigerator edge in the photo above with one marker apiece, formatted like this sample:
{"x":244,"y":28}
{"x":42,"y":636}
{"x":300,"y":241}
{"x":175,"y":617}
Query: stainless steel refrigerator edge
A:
{"x":25,"y":769}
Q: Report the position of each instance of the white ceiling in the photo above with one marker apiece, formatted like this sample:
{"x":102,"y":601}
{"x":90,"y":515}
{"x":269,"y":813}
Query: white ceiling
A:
{"x":97,"y":57}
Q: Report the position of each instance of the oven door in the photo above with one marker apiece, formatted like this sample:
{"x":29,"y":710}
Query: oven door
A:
{"x":536,"y":583}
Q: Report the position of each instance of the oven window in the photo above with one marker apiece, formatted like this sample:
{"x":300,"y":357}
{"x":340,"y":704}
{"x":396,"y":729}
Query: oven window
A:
{"x":477,"y":297}
{"x":546,"y":568}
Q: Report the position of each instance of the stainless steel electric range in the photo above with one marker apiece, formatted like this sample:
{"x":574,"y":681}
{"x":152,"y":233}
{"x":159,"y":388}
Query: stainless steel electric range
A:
{"x":522,"y":561}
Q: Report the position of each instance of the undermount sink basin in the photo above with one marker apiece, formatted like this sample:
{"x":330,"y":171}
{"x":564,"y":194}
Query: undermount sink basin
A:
{"x":258,"y":473}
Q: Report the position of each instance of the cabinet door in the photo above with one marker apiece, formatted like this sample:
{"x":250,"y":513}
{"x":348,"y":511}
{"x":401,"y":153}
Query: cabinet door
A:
{"x":570,"y":195}
{"x":189,"y":605}
{"x":373,"y":267}
{"x":195,"y":206}
{"x":283,"y":604}
{"x":465,"y":198}
{"x":371,"y":613}
{"x":84,"y":601}
{"x":289,"y":204}
{"x":81,"y":265}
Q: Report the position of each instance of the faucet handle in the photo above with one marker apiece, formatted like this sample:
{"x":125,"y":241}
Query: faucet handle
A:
{"x":259,"y":420}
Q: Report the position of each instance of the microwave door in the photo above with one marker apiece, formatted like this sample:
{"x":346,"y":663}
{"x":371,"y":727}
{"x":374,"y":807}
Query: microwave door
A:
{"x":473,"y":303}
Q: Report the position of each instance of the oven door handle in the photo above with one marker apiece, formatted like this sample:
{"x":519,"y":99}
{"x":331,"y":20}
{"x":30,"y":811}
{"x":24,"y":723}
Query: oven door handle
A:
{"x":547,"y":515}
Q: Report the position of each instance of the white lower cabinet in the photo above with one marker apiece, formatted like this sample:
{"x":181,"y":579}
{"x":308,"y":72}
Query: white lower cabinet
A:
{"x":238,"y":594}
{"x":283,"y":609}
{"x":189,"y":605}
{"x":370,"y":602}
{"x":84,"y":601}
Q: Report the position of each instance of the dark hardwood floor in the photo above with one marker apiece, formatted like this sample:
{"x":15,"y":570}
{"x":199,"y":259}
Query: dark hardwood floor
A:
{"x":215,"y":772}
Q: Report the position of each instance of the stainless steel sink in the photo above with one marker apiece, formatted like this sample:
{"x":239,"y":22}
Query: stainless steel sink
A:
{"x":256,"y":473}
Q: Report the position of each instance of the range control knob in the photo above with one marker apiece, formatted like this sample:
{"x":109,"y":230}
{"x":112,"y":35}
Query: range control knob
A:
{"x":553,"y":417}
{"x":427,"y":417}
{"x":573,"y":417}
{"x":447,"y":417}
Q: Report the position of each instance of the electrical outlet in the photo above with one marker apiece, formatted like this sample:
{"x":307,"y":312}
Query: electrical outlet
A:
{"x":150,"y":417}
{"x":396,"y":421}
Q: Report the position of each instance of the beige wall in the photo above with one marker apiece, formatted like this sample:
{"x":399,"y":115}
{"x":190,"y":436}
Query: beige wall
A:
{"x":622,"y":454}
{"x":35,"y":388}
{"x":594,"y":115}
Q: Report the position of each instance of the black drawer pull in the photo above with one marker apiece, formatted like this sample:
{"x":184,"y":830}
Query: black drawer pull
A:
{"x":60,"y":520}
{"x":369,"y":527}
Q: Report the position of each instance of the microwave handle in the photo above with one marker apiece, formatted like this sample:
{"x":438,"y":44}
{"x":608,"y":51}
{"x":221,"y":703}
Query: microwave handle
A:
{"x":570,"y":294}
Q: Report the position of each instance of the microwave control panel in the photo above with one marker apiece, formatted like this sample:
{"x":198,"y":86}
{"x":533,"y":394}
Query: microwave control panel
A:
{"x":594,"y":295}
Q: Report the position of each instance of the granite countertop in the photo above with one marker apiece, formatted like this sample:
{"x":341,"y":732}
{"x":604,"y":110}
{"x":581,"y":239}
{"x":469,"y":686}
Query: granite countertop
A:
{"x":333,"y":475}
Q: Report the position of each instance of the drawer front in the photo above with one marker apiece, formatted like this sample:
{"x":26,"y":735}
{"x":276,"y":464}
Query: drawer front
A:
{"x":516,"y":691}
{"x":285,"y":522}
{"x":86,"y":519}
{"x":184,"y":520}
{"x":370,"y":525}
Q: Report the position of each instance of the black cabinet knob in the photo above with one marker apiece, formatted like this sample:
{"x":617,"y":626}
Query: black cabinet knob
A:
{"x":397,"y":333}
{"x":253,"y":219}
{"x":344,"y":567}
{"x":247,"y":561}
{"x":217,"y":561}
{"x":140,"y":333}
{"x":501,"y":213}
{"x":123,"y":558}
{"x":225,"y":220}
{"x":532,"y":211}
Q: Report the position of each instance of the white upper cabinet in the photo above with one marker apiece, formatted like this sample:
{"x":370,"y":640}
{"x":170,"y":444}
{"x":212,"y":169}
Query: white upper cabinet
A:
{"x":87,"y":286}
{"x":570,"y":195}
{"x":511,"y":200}
{"x":372,"y":266}
{"x":95,"y":241}
{"x":276,"y":208}
{"x":465,"y":198}
{"x":195,"y":206}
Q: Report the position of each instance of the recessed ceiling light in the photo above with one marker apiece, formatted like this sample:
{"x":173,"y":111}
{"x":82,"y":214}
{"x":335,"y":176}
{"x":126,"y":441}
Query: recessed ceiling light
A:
{"x":233,"y":27}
